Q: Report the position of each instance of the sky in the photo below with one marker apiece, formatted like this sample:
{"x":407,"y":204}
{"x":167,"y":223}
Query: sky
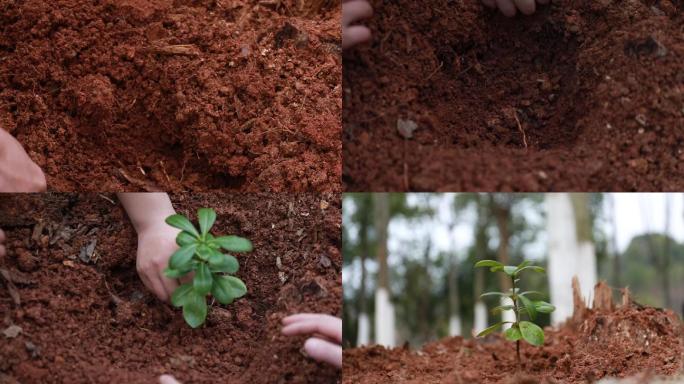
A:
{"x":635,"y":214}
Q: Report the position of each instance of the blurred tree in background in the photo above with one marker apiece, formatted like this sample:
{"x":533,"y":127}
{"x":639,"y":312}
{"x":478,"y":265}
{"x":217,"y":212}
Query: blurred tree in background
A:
{"x":425,"y":261}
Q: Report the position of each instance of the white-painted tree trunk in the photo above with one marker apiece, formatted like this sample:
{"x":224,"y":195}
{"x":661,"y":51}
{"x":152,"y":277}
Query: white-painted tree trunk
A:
{"x":454,"y":326}
{"x":363,"y":335}
{"x":480,"y":317}
{"x":384,"y":319}
{"x":507,"y":315}
{"x":567,"y":257}
{"x":586,"y":269}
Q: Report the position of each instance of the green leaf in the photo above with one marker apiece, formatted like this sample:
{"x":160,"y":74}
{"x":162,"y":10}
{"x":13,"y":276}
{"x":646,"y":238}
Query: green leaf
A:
{"x":530,"y":293}
{"x":218,"y":262}
{"x":204,"y":251}
{"x":228,"y":288}
{"x":203,"y":279}
{"x":529,"y":306}
{"x":510,"y":270}
{"x":182,"y":295}
{"x":182,"y":256}
{"x":195,"y":310}
{"x":512,"y":334}
{"x":493,"y":294}
{"x":234,"y":243}
{"x":502,"y":308}
{"x":182,"y":222}
{"x":174,"y":273}
{"x":524,"y":264}
{"x":490,"y":329}
{"x":185,"y":238}
{"x":488,"y":263}
{"x":532,"y":333}
{"x":206,"y":218}
{"x":544,"y":307}
{"x":533,"y":268}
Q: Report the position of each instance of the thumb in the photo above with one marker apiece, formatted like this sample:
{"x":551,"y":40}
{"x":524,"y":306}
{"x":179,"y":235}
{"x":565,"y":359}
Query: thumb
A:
{"x":324,"y":351}
{"x":168,"y":379}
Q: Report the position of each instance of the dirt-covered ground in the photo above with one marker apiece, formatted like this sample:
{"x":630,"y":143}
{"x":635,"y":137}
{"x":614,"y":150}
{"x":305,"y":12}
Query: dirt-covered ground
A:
{"x":69,"y":283}
{"x":175,"y":94}
{"x":604,"y":342}
{"x":585,"y":95}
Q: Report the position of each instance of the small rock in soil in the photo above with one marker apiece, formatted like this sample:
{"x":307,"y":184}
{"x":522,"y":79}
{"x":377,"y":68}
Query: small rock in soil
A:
{"x":406,"y":128}
{"x":33,"y":349}
{"x":12,"y":331}
{"x":324,"y":261}
{"x":26,"y":261}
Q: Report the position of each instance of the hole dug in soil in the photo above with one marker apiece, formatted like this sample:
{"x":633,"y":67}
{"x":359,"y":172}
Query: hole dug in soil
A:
{"x":85,"y":317}
{"x":174,"y":95}
{"x":605,"y":341}
{"x":583,"y":95}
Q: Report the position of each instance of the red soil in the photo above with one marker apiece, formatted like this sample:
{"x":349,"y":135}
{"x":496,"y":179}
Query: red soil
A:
{"x":174,"y":94}
{"x":93,"y":321}
{"x":623,"y":343}
{"x":585,"y":95}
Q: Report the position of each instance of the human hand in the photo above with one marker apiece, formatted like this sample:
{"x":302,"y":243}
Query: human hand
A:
{"x":156,"y":244}
{"x":18,"y":173}
{"x":3,"y":251}
{"x":168,"y":379}
{"x":354,"y":11}
{"x":325,"y":343}
{"x":510,"y":7}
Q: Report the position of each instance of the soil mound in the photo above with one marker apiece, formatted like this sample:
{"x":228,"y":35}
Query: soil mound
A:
{"x":174,"y":95}
{"x":596,"y":343}
{"x":584,"y":95}
{"x":70,"y":284}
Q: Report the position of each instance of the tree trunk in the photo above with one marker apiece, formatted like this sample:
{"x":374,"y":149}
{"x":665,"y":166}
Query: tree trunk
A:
{"x":454,"y":307}
{"x":617,"y":278}
{"x":665,"y":257}
{"x":480,"y":312}
{"x":586,"y":251}
{"x":363,"y":334}
{"x":384,"y":310}
{"x":502,"y":213}
{"x":560,"y":225}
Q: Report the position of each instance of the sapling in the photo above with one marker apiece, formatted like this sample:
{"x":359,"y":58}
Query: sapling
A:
{"x":200,"y":252}
{"x":522,"y":305}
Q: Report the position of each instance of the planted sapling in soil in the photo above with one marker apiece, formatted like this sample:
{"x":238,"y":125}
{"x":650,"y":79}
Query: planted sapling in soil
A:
{"x":522,"y":305}
{"x":200,"y":252}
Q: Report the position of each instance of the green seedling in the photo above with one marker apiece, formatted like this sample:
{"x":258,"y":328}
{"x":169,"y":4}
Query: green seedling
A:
{"x":200,"y":252}
{"x":522,"y":305}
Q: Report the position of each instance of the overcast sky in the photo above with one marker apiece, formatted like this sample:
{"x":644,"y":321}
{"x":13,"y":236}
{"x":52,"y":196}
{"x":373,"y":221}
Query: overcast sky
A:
{"x":635,"y":214}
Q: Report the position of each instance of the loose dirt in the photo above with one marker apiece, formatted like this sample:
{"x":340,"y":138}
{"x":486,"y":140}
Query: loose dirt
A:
{"x":584,"y":95}
{"x":175,"y":94}
{"x":85,"y":316}
{"x":605,"y":341}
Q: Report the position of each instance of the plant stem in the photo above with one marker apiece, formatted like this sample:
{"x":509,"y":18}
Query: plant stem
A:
{"x":517,"y":321}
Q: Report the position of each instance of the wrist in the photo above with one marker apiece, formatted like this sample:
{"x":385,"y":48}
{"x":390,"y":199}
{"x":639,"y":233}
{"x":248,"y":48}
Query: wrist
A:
{"x":155,"y":223}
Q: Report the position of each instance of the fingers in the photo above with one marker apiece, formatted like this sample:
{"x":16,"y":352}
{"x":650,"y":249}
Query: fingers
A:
{"x":355,"y":10}
{"x":527,"y":7}
{"x":324,"y":351}
{"x":169,"y":285}
{"x":154,"y":284}
{"x":354,"y":35}
{"x":510,"y":7}
{"x":168,"y":379}
{"x":2,"y":236}
{"x":328,"y":326}
{"x":506,"y":7}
